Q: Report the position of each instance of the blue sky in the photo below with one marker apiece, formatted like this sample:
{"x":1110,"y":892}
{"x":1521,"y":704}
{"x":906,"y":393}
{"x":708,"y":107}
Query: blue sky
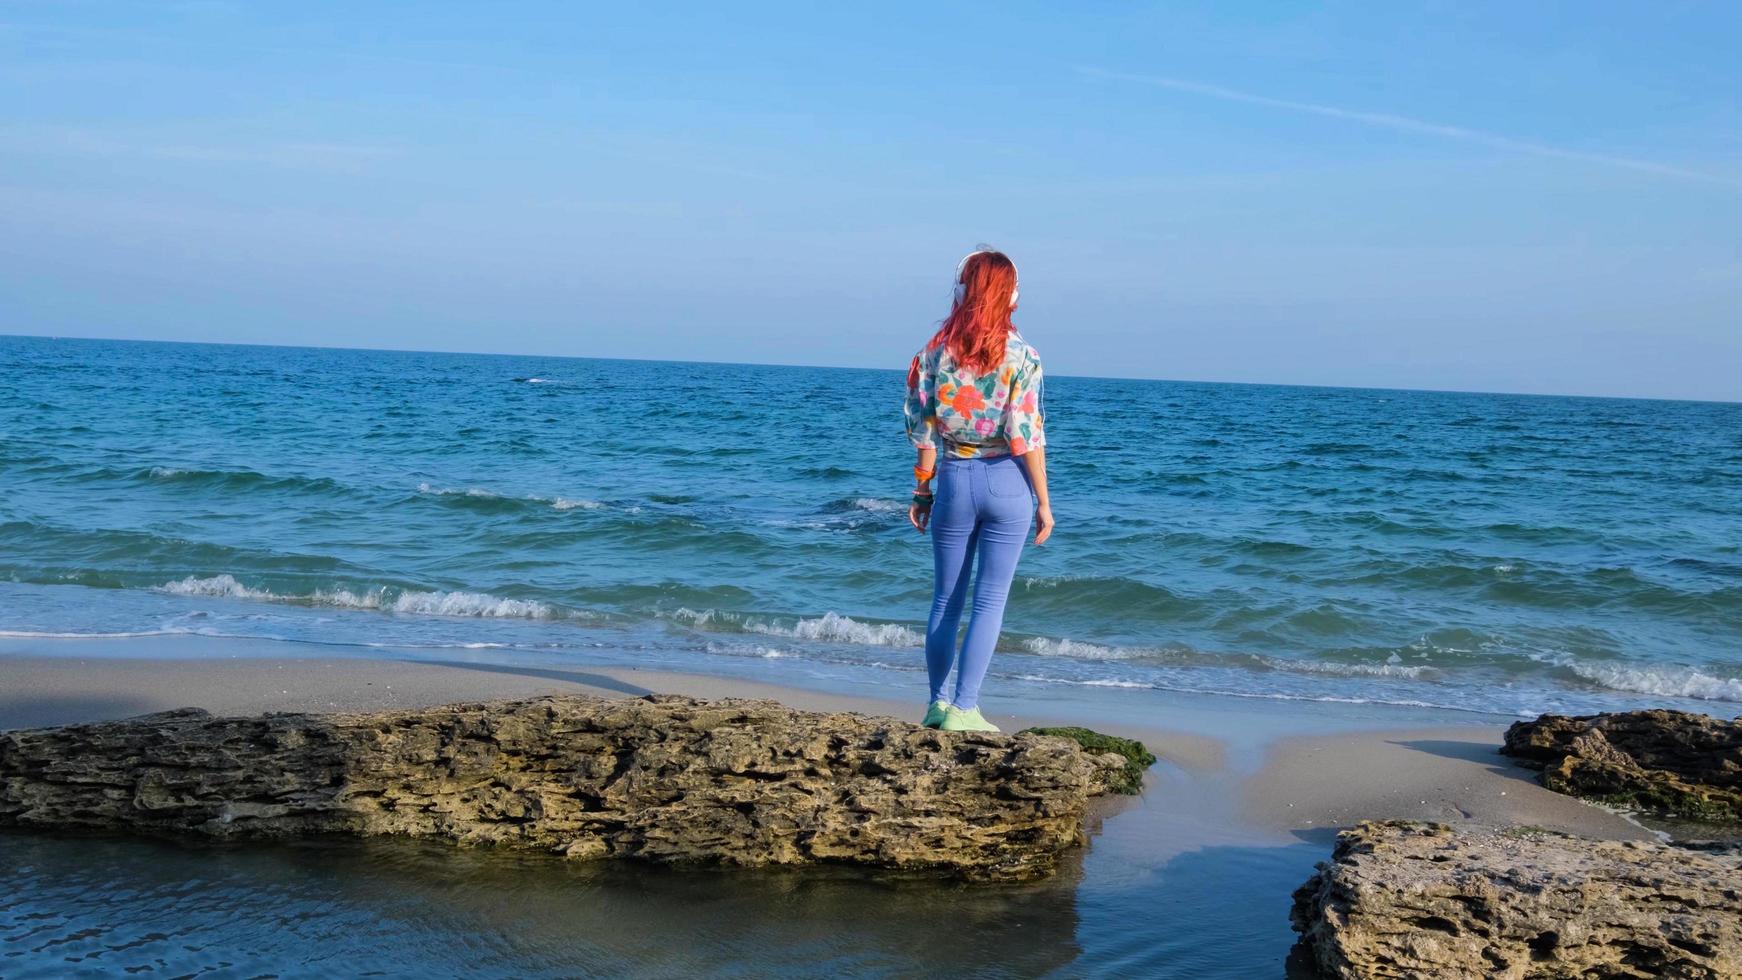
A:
{"x":1499,"y":196}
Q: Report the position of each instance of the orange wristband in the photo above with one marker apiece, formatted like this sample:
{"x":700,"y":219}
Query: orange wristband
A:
{"x":923,"y":475}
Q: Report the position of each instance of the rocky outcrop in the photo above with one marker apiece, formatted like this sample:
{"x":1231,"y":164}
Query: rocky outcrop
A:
{"x":1671,"y":763}
{"x":1132,"y":757}
{"x":661,"y":778}
{"x":1409,"y":900}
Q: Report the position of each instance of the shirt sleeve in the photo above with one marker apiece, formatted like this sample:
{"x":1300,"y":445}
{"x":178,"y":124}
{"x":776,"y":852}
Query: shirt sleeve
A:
{"x":920,"y":408}
{"x":1024,"y":414}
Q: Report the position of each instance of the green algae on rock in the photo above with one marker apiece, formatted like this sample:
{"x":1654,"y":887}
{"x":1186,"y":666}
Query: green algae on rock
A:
{"x":1127,"y":780}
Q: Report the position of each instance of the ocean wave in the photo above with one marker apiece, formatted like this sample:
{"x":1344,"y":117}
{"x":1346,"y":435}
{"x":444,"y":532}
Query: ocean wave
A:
{"x":1667,"y":681}
{"x":1255,"y":695}
{"x":477,"y":492}
{"x":402,"y":601}
{"x":1126,"y":598}
{"x":53,"y":635}
{"x":1177,"y":655}
{"x":571,"y":503}
{"x":847,"y":515}
{"x":211,"y":632}
{"x":1047,"y":647}
{"x":875,"y":505}
{"x":224,"y":479}
{"x":835,"y":628}
{"x":747,"y":650}
{"x":1087,"y":682}
{"x":1343,"y":669}
{"x":1181,"y":656}
{"x":473,"y":604}
{"x":436,"y":646}
{"x":224,"y":586}
{"x":841,"y":629}
{"x":482,"y":494}
{"x":830,"y":627}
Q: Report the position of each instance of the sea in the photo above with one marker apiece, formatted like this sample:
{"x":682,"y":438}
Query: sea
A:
{"x":1240,"y":560}
{"x":1487,"y":553}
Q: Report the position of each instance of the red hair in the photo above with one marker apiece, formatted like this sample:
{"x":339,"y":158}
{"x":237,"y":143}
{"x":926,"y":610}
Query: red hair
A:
{"x":978,"y":327}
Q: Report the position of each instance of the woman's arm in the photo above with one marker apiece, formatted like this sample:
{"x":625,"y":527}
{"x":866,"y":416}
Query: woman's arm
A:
{"x":921,"y":425}
{"x":1035,"y":462}
{"x":1025,"y":426}
{"x":918,"y":514}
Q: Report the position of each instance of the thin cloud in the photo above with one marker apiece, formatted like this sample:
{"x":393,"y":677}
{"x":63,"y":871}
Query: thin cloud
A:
{"x":100,"y":142}
{"x":1404,"y":124}
{"x":298,"y":156}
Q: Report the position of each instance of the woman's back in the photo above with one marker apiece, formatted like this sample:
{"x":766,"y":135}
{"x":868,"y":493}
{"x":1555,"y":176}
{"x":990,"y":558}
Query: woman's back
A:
{"x":976,"y":412}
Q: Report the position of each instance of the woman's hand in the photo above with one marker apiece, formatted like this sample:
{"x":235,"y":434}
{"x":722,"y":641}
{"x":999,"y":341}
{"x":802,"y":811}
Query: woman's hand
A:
{"x":1042,"y":523}
{"x":919,"y":515}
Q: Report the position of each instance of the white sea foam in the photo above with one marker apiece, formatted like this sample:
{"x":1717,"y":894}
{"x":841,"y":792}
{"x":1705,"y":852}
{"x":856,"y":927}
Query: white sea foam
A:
{"x":841,"y":629}
{"x":704,"y":617}
{"x":556,"y":503}
{"x":830,"y":627}
{"x":876,"y":505}
{"x":1251,"y":695}
{"x":224,"y":586}
{"x":469,"y":604}
{"x":1079,"y":650}
{"x":566,"y":503}
{"x":342,"y":598}
{"x":435,"y":646}
{"x":748,"y":650}
{"x":1048,"y":647}
{"x":460,"y":492}
{"x":416,"y":603}
{"x":1352,"y":670}
{"x":1667,"y":681}
{"x":165,"y":472}
{"x":1091,"y":682}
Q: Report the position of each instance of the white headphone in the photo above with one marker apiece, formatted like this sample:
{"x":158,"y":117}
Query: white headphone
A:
{"x":962,"y":288}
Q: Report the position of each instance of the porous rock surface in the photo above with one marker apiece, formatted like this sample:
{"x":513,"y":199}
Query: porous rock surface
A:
{"x":661,"y":778}
{"x":1673,"y":763}
{"x":1419,"y":900}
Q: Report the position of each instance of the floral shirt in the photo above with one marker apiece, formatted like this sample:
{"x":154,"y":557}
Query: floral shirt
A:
{"x":976,"y":414}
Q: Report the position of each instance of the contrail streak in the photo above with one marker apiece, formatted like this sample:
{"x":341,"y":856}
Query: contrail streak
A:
{"x":1404,"y":124}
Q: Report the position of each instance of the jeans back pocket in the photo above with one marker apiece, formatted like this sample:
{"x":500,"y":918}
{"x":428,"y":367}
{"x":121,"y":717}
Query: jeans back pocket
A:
{"x":1006,"y":479}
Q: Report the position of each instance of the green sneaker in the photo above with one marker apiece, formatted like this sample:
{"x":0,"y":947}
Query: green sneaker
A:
{"x":957,"y":720}
{"x":934,"y":715}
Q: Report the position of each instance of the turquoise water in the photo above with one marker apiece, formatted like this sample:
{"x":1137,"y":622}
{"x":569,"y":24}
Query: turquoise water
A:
{"x":1465,"y":551}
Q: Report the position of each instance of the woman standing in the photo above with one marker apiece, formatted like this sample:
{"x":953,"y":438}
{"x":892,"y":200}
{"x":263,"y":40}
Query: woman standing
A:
{"x":974,"y":413}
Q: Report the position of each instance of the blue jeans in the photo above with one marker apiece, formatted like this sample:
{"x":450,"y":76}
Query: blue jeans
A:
{"x":983,"y":508}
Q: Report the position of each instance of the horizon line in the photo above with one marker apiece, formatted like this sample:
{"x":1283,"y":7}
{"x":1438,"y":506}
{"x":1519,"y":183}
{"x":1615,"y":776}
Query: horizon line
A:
{"x":895,"y":370}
